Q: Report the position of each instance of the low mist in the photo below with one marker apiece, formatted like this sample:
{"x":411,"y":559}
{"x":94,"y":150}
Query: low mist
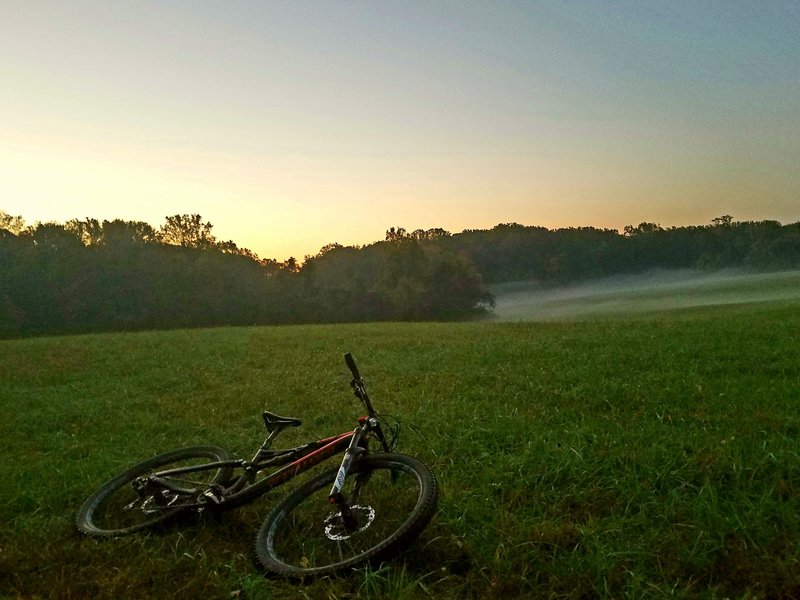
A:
{"x":647,"y":292}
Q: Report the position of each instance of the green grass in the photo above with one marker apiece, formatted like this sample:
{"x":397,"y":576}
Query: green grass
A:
{"x":639,"y":457}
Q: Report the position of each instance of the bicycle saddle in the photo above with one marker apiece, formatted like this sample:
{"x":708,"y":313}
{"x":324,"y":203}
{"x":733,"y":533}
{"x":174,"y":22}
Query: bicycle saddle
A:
{"x":273,"y":421}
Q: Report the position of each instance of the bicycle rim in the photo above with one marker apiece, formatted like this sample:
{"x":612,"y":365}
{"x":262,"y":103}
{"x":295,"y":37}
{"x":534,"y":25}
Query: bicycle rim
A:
{"x":118,"y":508}
{"x":390,"y":499}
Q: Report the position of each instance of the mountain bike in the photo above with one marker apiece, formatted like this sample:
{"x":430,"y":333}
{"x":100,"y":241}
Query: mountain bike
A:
{"x":365,"y":510}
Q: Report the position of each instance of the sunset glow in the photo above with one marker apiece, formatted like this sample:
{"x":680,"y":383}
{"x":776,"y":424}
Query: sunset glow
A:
{"x":293,"y":125}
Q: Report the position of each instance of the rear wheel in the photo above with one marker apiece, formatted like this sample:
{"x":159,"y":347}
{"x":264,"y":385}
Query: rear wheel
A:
{"x":389,"y":499}
{"x":127,"y":504}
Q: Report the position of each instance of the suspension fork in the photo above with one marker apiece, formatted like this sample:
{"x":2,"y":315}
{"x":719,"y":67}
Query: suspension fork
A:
{"x":354,"y":449}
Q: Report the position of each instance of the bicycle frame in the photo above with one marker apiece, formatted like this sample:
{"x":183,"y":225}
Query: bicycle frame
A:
{"x":292,"y":461}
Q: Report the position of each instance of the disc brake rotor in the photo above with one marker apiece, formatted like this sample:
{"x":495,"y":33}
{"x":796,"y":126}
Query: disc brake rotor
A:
{"x":336,"y":530}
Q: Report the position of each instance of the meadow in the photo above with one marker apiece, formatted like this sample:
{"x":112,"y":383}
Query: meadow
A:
{"x":647,"y":454}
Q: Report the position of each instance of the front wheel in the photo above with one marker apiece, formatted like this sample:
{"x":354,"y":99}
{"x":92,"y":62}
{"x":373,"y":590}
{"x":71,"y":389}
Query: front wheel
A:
{"x":125,"y":505}
{"x":389,"y":499}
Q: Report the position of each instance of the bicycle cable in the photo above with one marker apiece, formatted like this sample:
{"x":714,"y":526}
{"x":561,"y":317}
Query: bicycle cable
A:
{"x":391,"y":430}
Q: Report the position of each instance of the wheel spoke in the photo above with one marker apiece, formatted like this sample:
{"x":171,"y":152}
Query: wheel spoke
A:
{"x":307,"y":534}
{"x":129,"y":502}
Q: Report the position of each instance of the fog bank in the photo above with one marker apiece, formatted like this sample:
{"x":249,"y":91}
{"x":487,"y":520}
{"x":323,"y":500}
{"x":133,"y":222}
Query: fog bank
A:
{"x":647,"y":292}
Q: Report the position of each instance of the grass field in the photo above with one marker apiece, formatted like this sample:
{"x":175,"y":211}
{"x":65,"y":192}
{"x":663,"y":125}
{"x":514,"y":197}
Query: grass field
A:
{"x":646,"y":456}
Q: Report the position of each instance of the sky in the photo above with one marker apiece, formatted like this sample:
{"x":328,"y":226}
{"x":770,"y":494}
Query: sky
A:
{"x":291,"y":125}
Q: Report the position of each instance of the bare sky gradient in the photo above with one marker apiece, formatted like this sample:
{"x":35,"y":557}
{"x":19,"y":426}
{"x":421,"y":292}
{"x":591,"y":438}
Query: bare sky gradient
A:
{"x":290,"y":125}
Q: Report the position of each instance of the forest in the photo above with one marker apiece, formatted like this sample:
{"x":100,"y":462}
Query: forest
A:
{"x":89,"y":275}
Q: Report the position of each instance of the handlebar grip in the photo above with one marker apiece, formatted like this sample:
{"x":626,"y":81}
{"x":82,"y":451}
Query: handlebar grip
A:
{"x":348,"y":358}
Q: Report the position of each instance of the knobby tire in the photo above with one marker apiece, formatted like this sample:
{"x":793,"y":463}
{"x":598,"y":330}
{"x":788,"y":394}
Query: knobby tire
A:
{"x":305,"y":535}
{"x":116,"y":509}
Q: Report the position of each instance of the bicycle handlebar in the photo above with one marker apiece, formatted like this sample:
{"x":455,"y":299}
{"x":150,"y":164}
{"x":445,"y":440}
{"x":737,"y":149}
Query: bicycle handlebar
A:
{"x":351,"y":363}
{"x":361,"y":393}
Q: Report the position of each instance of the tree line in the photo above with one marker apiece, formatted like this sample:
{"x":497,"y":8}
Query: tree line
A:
{"x":88,"y":275}
{"x":513,"y":252}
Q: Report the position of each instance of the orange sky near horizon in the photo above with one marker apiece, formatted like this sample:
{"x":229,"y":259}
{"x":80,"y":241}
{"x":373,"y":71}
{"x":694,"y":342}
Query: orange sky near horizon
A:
{"x":290,"y":126}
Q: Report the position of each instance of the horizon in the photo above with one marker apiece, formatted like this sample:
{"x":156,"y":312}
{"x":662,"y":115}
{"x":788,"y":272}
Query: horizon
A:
{"x":289,"y":127}
{"x":301,"y":256}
